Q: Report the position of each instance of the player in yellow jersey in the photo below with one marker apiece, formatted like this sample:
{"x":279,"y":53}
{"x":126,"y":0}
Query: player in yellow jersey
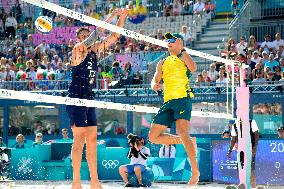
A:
{"x":175,"y":71}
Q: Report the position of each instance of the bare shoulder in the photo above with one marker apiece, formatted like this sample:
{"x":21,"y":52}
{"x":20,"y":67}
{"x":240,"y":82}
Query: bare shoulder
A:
{"x":79,"y":47}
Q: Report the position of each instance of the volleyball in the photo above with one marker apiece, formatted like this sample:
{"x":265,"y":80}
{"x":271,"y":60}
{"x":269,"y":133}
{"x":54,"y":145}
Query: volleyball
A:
{"x":43,"y":24}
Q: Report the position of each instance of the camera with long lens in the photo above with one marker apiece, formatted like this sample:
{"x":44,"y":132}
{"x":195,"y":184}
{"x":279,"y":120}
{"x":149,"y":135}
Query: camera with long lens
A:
{"x":132,"y":139}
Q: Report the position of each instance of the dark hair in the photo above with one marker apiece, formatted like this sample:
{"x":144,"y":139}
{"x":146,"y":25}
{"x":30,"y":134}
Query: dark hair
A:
{"x":78,"y":31}
{"x":115,"y":64}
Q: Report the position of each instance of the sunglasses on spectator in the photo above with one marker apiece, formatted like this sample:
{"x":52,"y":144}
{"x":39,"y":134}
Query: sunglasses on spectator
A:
{"x":171,"y":40}
{"x":39,"y":136}
{"x":65,"y":133}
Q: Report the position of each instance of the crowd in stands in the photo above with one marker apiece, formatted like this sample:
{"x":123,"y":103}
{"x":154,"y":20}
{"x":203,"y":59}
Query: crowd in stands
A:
{"x":21,"y":142}
{"x":185,"y":7}
{"x":44,"y":64}
{"x":265,"y":62}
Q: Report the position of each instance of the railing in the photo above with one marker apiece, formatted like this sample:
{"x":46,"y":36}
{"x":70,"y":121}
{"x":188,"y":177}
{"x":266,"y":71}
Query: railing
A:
{"x":242,"y":18}
{"x":267,"y":9}
{"x":56,"y":87}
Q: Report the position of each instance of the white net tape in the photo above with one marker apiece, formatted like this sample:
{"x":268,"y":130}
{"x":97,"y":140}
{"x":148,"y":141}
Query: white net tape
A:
{"x":42,"y":98}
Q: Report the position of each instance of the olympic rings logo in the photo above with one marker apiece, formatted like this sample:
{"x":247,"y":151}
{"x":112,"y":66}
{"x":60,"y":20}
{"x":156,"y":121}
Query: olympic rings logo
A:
{"x":110,"y":164}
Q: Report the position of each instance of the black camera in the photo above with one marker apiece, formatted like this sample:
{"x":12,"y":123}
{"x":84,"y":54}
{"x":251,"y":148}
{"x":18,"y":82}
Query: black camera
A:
{"x":132,"y":139}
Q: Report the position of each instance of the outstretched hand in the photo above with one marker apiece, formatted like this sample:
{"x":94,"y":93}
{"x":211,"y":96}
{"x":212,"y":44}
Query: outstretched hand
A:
{"x":124,"y":12}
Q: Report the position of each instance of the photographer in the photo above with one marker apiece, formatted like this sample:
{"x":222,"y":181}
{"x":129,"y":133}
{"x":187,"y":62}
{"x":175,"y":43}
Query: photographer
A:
{"x":138,"y":155}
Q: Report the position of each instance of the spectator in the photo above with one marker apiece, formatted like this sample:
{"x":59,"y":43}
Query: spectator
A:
{"x":2,"y":29}
{"x":281,"y":132}
{"x":198,"y":7}
{"x":43,"y":47}
{"x":2,"y":74}
{"x":22,"y":32}
{"x":255,"y":58}
{"x":3,"y":15}
{"x":206,"y":77}
{"x":65,"y":136}
{"x":231,"y":47}
{"x":199,"y":81}
{"x":9,"y":74}
{"x":270,"y":78}
{"x":38,"y":140}
{"x":235,"y":7}
{"x":252,"y":44}
{"x":187,"y":38}
{"x":210,"y":8}
{"x":256,"y":70}
{"x":51,"y":80}
{"x":167,"y":151}
{"x":19,"y":142}
{"x":116,"y":71}
{"x":17,"y":11}
{"x":222,"y":80}
{"x":168,"y":10}
{"x":177,"y":8}
{"x":11,"y":25}
{"x":259,"y":79}
{"x":138,"y":155}
{"x":282,"y":63}
{"x":265,"y":58}
{"x":60,"y":73}
{"x":187,"y":7}
{"x":128,"y":74}
{"x":241,"y":46}
{"x":2,"y":144}
{"x":267,"y":45}
{"x":32,"y":73}
{"x":226,"y":133}
{"x":266,"y":70}
{"x":277,"y":73}
{"x":68,"y":72}
{"x":271,"y":63}
{"x":277,"y":42}
{"x":212,"y":73}
{"x":20,"y":62}
{"x":280,"y":53}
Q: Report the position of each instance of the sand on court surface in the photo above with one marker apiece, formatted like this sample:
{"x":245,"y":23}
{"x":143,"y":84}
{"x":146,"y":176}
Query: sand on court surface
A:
{"x":106,"y":185}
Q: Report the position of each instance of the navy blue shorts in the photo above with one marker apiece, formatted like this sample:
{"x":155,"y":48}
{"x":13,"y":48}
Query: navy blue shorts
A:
{"x":130,"y":168}
{"x":82,"y":116}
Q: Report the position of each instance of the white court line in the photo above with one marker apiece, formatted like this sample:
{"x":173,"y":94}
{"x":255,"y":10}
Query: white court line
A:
{"x":86,"y":19}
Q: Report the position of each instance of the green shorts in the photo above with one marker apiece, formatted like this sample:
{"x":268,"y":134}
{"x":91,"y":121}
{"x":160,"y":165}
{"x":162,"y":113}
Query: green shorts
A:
{"x":173,"y":110}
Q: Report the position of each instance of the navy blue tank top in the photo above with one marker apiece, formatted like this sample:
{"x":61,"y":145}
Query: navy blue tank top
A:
{"x":84,"y":78}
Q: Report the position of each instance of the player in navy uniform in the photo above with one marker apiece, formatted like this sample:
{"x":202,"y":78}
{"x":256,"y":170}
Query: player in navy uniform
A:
{"x":83,"y":119}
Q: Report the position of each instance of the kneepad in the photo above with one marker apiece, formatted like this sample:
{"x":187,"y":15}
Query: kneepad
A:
{"x":147,"y":178}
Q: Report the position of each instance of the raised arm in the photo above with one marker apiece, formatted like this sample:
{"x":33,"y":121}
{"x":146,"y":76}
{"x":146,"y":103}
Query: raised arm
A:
{"x":112,"y":38}
{"x":94,"y":35}
{"x":190,"y":64}
{"x":155,"y":83}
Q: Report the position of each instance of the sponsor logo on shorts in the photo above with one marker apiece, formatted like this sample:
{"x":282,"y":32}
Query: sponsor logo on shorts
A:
{"x":181,"y":112}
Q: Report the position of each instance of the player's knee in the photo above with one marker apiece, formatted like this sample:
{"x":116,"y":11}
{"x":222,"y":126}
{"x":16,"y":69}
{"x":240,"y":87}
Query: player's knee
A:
{"x":137,"y":169}
{"x":122,"y":169}
{"x":77,"y":147}
{"x":152,"y":137}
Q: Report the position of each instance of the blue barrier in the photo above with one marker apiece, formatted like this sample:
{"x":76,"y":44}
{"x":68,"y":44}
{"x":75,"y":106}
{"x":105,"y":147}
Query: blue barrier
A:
{"x":147,"y":178}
